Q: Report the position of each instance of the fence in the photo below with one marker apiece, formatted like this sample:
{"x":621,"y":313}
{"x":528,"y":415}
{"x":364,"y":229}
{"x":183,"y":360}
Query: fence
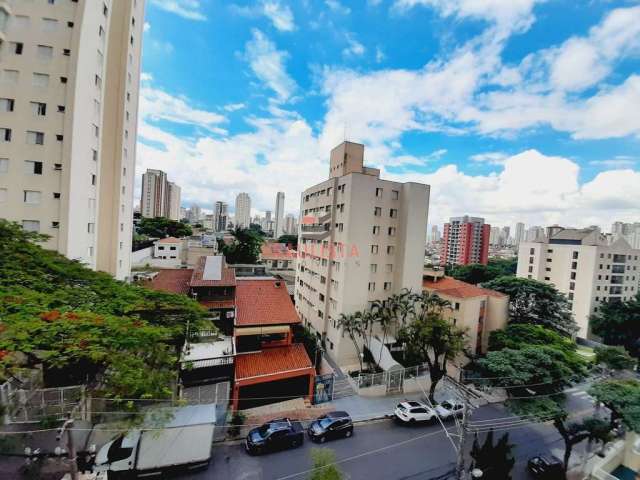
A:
{"x":24,"y":405}
{"x":392,"y":380}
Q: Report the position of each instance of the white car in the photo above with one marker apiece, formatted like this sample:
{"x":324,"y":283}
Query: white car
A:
{"x":412,"y":412}
{"x":449,"y":409}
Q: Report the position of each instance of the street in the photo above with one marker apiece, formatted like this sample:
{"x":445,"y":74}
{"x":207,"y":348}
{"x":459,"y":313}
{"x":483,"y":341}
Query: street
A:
{"x":382,"y":450}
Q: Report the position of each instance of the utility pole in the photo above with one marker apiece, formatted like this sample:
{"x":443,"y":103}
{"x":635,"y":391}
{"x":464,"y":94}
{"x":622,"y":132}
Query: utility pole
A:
{"x":460,"y":471}
{"x":66,"y":428}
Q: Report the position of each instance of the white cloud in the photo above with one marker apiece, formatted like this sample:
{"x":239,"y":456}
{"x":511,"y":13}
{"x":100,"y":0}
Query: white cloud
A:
{"x":146,"y":27}
{"x":268,"y":64}
{"x":337,"y":7}
{"x":280,"y":15}
{"x":189,"y":9}
{"x":354,"y":47}
{"x":619,"y":162}
{"x":232,"y":107}
{"x":494,"y":158}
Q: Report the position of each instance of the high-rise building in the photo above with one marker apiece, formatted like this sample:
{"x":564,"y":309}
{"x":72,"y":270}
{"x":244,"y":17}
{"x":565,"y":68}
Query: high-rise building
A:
{"x":290,"y":224}
{"x":243,"y":210}
{"x":495,"y":237}
{"x":629,"y":231}
{"x":584,"y":267}
{"x":465,"y":241}
{"x":195,"y":214}
{"x":519,"y":233}
{"x":69,"y":79}
{"x":435,"y":234}
{"x":278,"y":228}
{"x":173,"y":211}
{"x":534,"y":234}
{"x":361,"y":239}
{"x":220,"y":216}
{"x":506,"y":236}
{"x":154,"y":199}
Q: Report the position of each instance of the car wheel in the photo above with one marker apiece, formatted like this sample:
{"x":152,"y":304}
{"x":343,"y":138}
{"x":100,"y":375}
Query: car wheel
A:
{"x":295,"y":443}
{"x":348,"y":433}
{"x":412,"y":421}
{"x":322,"y":439}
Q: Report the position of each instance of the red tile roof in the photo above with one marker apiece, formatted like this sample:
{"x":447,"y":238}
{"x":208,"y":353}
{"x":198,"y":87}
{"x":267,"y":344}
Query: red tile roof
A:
{"x":272,"y":361}
{"x":170,"y":240}
{"x":277,"y":251}
{"x":217,"y":303}
{"x":457,"y":288}
{"x":228,"y":277}
{"x":172,"y":280}
{"x":261,"y":302}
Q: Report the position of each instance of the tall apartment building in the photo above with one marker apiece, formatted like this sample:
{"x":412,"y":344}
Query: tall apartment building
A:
{"x":220,"y":216}
{"x":361,"y":239}
{"x":584,"y":267}
{"x":278,"y":228}
{"x":173,"y":210}
{"x":154,"y":200}
{"x":290,"y":224}
{"x":465,"y":240}
{"x":435,"y":234}
{"x":519,"y":233}
{"x":69,"y":80}
{"x":629,"y":231}
{"x":243,"y":210}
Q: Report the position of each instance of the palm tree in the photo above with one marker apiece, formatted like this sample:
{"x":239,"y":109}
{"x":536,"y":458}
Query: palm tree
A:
{"x":384,"y":314}
{"x":403,"y":306}
{"x":351,"y":324}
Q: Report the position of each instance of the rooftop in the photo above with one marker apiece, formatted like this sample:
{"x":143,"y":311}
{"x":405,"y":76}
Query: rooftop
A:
{"x":212,"y":271}
{"x":458,"y":289}
{"x":170,"y":240}
{"x":264,"y":302}
{"x":172,"y":280}
{"x":205,"y":350}
{"x":277,"y":251}
{"x":272,"y":361}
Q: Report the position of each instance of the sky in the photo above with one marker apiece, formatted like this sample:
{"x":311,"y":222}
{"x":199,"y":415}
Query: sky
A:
{"x":513,"y":110}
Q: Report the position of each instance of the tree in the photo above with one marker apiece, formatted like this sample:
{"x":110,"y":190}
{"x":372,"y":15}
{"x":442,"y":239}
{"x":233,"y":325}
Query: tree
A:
{"x":476,"y":273}
{"x":622,"y":398}
{"x":351,"y":325}
{"x":161,"y":227}
{"x":431,"y":338}
{"x":495,"y":461}
{"x":291,"y":240}
{"x":257,"y":228}
{"x":619,"y":324}
{"x":536,"y":303}
{"x":324,"y":465}
{"x":384,"y":315}
{"x":245,"y":248}
{"x":614,"y":358}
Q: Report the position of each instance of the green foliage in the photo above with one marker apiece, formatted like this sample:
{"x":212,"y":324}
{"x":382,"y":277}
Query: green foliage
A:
{"x":615,"y":358}
{"x":619,"y":324}
{"x":303,"y":335}
{"x":495,"y":461}
{"x":476,"y":273}
{"x":533,"y":302}
{"x":161,"y":227}
{"x":245,"y":248}
{"x":237,"y":420}
{"x":255,"y":227}
{"x":121,"y":338}
{"x":291,"y":240}
{"x":622,"y":397}
{"x":324,"y":465}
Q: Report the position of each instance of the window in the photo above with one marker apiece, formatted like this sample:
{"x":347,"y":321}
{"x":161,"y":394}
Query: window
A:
{"x":570,"y":295}
{"x":373,"y":268}
{"x":91,"y":228}
{"x":573,"y":275}
{"x":61,"y":108}
{"x":393,"y":213}
{"x":98,"y":81}
{"x":7,"y":104}
{"x":94,"y":155}
{"x":574,"y":265}
{"x":32,"y":197}
{"x":17,"y":47}
{"x":56,"y":195}
{"x":392,"y":231}
{"x":530,"y":269}
{"x":96,"y":130}
{"x":379,"y":192}
{"x":10,"y":77}
{"x":374,"y":249}
{"x":35,"y":138}
{"x":105,"y":10}
{"x":372,"y":286}
{"x":19,"y":22}
{"x":575,"y":255}
{"x":456,"y":306}
{"x":66,"y":52}
{"x":63,"y":79}
{"x":5,"y":135}
{"x":32,"y":167}
{"x":395,"y":194}
{"x":55,"y":224}
{"x":31,"y":225}
{"x":388,"y":268}
{"x":38,"y":109}
{"x":4,"y":165}
{"x":390,"y":250}
{"x":93,"y":179}
{"x":572,"y":285}
{"x":49,"y":24}
{"x":532,"y":251}
{"x":387,"y":286}
{"x":44,"y":52}
{"x":96,"y":107}
{"x":377,"y":211}
{"x":376,"y":230}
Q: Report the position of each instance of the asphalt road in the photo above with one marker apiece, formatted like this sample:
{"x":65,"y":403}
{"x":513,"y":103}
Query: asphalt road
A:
{"x":383,"y":450}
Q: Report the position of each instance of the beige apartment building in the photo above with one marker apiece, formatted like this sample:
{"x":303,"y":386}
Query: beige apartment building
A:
{"x":69,"y":80}
{"x":361,"y":239}
{"x":584,"y":267}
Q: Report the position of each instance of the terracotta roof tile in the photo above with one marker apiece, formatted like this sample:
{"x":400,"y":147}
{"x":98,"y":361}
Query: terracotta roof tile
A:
{"x":277,"y":251}
{"x":457,"y":288}
{"x":261,"y":302}
{"x":172,"y":280}
{"x":272,"y":361}
{"x":228,"y":276}
{"x":170,"y":240}
{"x":217,"y":303}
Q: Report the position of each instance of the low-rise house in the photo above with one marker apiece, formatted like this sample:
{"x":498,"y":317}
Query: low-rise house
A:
{"x":167,"y":252}
{"x":478,"y":310}
{"x":278,"y":256}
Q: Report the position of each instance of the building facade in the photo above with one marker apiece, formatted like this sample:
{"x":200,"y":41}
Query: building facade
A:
{"x":173,"y":211}
{"x":290,"y":224}
{"x":465,"y":241}
{"x":584,"y":267}
{"x":629,"y":231}
{"x":154,"y":199}
{"x":278,"y":228}
{"x":69,"y":80}
{"x":243,"y":210}
{"x":220,"y":216}
{"x":361,"y":239}
{"x":519,"y":233}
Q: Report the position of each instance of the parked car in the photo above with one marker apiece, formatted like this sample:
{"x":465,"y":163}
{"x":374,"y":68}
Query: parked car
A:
{"x":546,"y":467}
{"x":278,"y":434}
{"x":449,"y":409}
{"x":412,"y":412}
{"x":330,"y":426}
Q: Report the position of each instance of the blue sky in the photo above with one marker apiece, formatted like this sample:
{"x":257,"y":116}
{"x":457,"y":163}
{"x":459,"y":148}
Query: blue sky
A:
{"x":516,"y":110}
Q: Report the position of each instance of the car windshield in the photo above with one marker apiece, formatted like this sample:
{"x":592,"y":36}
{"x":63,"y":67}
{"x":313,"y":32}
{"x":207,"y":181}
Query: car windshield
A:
{"x":117,"y":452}
{"x":264,"y":430}
{"x":325,"y":422}
{"x":401,"y":407}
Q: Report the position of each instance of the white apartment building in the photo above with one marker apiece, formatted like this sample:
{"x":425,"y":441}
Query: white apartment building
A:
{"x":220,"y":216}
{"x":69,"y":80}
{"x":173,"y":211}
{"x":361,"y":239}
{"x":629,"y":231}
{"x":278,"y":228}
{"x":581,"y":265}
{"x":243,"y":210}
{"x":290,"y":225}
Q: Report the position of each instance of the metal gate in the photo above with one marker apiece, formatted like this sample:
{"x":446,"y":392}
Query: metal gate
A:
{"x":323,"y":388}
{"x":395,"y":381}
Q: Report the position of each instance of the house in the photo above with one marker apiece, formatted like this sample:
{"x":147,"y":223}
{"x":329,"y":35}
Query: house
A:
{"x":478,"y":310}
{"x":278,"y":256}
{"x":167,"y":252}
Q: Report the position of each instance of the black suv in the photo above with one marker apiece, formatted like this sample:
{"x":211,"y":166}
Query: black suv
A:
{"x":277,"y":434}
{"x":329,"y":426}
{"x":546,"y":467}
